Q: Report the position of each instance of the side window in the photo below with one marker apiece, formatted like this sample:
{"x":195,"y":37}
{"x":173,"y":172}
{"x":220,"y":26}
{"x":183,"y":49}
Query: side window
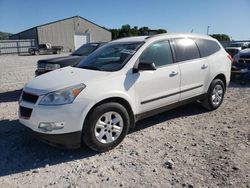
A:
{"x":186,"y":49}
{"x":207,"y":47}
{"x":160,"y":53}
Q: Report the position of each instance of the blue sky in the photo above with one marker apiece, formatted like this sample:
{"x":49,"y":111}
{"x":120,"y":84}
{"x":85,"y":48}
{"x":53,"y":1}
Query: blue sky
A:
{"x":231,"y":17}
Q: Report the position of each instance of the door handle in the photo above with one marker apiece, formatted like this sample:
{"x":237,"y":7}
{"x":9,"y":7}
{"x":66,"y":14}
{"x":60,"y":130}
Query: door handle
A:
{"x":173,"y":73}
{"x":204,"y":66}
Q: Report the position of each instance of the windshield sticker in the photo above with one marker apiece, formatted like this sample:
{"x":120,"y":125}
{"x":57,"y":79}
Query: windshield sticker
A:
{"x":128,"y":51}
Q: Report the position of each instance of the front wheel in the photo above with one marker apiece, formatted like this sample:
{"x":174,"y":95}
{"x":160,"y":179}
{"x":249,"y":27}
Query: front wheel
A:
{"x":106,"y":126}
{"x":215,"y":95}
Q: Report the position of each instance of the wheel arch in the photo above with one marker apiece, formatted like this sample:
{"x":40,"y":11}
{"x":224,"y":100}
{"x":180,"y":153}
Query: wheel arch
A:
{"x":120,"y":101}
{"x":222,"y":77}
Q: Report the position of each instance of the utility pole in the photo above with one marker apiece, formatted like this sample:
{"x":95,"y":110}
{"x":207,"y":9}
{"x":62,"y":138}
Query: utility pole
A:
{"x":208,"y":29}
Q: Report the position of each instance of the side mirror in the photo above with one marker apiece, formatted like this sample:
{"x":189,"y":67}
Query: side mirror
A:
{"x":144,"y":66}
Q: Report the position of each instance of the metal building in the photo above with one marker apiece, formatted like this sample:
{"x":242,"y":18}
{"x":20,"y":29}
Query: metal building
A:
{"x":70,"y":33}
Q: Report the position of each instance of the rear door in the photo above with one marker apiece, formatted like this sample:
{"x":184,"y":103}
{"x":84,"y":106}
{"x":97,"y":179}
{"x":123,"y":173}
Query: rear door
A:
{"x":160,"y":87}
{"x":194,"y":69}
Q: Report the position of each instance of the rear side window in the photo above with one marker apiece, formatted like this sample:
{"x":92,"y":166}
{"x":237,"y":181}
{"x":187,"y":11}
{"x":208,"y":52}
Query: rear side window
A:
{"x":186,"y":49}
{"x":207,"y":47}
{"x":159,"y":53}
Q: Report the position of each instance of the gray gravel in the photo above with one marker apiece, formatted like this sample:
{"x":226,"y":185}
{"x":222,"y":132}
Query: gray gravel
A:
{"x":185,"y":147}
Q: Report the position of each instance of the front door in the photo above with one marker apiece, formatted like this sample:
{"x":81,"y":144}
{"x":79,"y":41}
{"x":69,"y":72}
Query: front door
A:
{"x":160,"y":87}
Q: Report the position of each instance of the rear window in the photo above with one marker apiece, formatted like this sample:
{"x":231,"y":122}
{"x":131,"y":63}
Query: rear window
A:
{"x":207,"y":47}
{"x":186,"y":49}
{"x":85,"y":49}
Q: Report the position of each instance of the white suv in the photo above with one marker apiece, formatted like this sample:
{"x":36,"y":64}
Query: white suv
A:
{"x":120,"y":83}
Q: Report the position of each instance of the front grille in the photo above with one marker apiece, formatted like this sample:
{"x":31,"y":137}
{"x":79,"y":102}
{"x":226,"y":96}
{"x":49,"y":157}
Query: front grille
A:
{"x":245,"y":57}
{"x":29,"y":97}
{"x":244,"y":60}
{"x":25,"y":112}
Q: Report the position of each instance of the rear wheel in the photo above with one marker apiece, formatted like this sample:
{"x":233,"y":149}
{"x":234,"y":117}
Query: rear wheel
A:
{"x":215,"y":95}
{"x":106,"y":126}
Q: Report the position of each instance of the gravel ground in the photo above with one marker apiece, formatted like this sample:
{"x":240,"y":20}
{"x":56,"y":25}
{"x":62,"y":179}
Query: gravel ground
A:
{"x":184,"y":147}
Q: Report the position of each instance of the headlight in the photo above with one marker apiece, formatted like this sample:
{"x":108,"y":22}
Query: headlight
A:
{"x":63,"y":96}
{"x":47,"y":66}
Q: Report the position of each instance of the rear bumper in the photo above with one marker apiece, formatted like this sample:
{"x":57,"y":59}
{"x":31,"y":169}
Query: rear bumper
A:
{"x":69,"y":140}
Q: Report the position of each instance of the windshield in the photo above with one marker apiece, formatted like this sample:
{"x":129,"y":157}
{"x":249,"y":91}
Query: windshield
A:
{"x":85,"y":49}
{"x":110,"y":57}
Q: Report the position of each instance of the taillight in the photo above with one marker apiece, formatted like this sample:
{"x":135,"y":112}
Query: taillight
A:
{"x":230,"y":57}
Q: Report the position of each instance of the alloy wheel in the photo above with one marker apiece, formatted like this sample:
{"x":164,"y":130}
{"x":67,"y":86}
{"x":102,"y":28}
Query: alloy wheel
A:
{"x":108,"y":127}
{"x":217,"y":95}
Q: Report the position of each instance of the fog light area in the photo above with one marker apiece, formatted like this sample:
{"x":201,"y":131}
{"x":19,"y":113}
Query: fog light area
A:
{"x":49,"y":126}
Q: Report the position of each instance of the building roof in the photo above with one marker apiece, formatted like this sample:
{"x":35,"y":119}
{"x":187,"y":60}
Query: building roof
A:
{"x":60,"y":21}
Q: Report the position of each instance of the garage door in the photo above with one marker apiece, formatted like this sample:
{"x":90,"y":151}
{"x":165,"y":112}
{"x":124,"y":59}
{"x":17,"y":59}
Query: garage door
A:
{"x":80,"y":40}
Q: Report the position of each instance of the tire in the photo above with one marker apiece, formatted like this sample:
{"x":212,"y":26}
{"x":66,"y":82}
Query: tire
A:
{"x":58,"y":51}
{"x":99,"y":133}
{"x":215,"y":95}
{"x":36,"y":53}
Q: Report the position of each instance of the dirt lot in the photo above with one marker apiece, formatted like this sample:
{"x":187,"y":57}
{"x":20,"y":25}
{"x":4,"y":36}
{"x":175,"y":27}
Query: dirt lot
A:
{"x":185,"y":147}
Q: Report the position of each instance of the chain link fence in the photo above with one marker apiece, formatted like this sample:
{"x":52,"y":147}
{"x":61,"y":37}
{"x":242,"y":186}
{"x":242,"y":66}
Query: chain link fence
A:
{"x":16,"y":46}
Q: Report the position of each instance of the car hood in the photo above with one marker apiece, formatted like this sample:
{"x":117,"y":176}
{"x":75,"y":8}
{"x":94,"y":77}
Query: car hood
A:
{"x":62,"y":78}
{"x":245,"y":51}
{"x":64,"y":61}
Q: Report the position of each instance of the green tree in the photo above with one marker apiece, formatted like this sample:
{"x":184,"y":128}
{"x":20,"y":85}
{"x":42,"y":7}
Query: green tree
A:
{"x":144,"y":30}
{"x":127,"y":31}
{"x":115,"y":33}
{"x":4,"y":36}
{"x":221,"y":37}
{"x":161,"y":31}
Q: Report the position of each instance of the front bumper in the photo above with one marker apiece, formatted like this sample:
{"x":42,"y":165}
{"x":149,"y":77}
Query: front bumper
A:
{"x":68,"y":140}
{"x":72,"y":115}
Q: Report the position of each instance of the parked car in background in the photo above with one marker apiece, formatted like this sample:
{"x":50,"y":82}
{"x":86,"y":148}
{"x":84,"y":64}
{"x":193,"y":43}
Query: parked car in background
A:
{"x":236,"y":47}
{"x":232,"y":51}
{"x":241,"y":65}
{"x":45,"y":49}
{"x":47,"y":65}
{"x":122,"y":82}
{"x":239,"y":45}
